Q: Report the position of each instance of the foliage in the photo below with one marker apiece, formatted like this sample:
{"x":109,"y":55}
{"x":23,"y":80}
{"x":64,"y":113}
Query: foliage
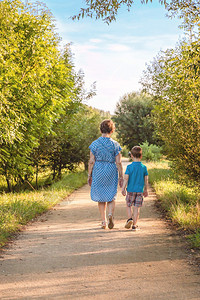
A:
{"x":173,"y":78}
{"x":195,"y":239}
{"x":188,"y":11}
{"x":133,"y":119}
{"x":18,"y":209}
{"x":180,"y":202}
{"x":29,"y":56}
{"x":41,"y":96}
{"x":72,"y":134}
{"x":151,"y":152}
{"x":36,"y":83}
{"x":106,"y":9}
{"x":125,"y":152}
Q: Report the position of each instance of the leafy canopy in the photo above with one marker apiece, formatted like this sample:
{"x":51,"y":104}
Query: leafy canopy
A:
{"x":173,"y":78}
{"x":133,"y":119}
{"x":106,"y":9}
{"x":37,"y":82}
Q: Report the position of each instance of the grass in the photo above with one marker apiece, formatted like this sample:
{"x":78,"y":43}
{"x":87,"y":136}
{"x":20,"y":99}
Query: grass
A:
{"x":180,"y":202}
{"x":17,"y":209}
{"x":45,"y":179}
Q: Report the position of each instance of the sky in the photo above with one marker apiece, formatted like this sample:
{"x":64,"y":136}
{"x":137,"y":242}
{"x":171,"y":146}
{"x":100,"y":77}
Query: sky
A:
{"x":114,"y":56}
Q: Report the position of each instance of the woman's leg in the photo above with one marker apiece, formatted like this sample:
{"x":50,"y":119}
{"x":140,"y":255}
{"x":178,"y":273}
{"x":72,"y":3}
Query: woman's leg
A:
{"x":102,"y":210}
{"x":111,"y":207}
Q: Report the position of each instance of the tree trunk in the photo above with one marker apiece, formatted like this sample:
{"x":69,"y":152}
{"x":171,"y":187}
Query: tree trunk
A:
{"x":9,"y":185}
{"x":86,"y":165}
{"x":54,"y":171}
{"x":59,"y":171}
{"x":36,"y":176}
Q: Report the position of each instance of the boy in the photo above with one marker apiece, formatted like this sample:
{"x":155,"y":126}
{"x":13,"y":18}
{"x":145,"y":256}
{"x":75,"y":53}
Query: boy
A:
{"x":136,"y":180}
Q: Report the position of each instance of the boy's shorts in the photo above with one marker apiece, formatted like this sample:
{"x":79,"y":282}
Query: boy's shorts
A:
{"x":135,"y":199}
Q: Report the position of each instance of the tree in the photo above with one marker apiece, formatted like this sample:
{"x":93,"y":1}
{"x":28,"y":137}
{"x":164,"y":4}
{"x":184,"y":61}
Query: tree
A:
{"x":72,"y":134}
{"x":189,"y":12}
{"x":106,"y":9}
{"x":174,"y":81}
{"x":133,"y":119}
{"x":36,"y":83}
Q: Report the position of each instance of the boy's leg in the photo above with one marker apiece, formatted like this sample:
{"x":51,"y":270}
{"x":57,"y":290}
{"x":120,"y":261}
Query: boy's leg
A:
{"x":129,"y":222}
{"x":136,"y":212}
{"x":136,"y":209}
{"x":129,"y":211}
{"x":129,"y":203}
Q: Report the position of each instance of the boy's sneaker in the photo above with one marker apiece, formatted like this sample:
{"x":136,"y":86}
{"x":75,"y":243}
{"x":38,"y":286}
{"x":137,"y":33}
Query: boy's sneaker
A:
{"x":110,"y":222}
{"x":129,"y":222}
{"x":135,"y":227}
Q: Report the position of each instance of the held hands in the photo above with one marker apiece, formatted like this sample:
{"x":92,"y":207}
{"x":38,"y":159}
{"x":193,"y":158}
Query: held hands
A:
{"x":121,"y":182}
{"x":124,"y":192}
{"x":145,"y":193}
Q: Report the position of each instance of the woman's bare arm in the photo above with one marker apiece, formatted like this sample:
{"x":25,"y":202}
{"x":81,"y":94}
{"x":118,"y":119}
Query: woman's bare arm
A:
{"x":126,"y":177}
{"x":90,"y":167}
{"x":120,"y":168}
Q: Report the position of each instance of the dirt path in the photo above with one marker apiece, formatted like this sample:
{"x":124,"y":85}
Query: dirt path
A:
{"x":64,"y":255}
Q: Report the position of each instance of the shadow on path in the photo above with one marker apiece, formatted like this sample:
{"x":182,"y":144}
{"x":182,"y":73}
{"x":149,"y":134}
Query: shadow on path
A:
{"x":65,"y":255}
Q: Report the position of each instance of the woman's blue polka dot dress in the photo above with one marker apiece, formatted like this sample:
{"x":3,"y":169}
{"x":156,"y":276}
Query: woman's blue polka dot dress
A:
{"x":105,"y":172}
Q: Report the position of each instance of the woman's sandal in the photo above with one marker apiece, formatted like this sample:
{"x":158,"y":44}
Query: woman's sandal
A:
{"x":103,"y":224}
{"x":110,"y":221}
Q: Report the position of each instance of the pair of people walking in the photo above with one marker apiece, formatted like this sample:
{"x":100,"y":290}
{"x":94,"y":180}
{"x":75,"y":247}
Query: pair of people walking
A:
{"x":105,"y":172}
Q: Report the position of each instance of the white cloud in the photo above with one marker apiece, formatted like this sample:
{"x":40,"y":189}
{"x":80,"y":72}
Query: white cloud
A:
{"x":96,"y":41}
{"x":114,"y":55}
{"x":118,"y":47}
{"x":83,"y":48}
{"x":115,"y":62}
{"x":114,"y":72}
{"x":64,"y":28}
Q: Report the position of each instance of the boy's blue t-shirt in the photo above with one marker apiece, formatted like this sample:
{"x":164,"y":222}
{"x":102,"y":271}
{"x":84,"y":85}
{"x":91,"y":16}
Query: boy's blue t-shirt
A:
{"x":136,"y":171}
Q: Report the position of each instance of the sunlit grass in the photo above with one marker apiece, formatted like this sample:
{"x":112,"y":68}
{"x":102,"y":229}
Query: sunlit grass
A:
{"x":45,"y":179}
{"x":180,"y":202}
{"x":17,"y":209}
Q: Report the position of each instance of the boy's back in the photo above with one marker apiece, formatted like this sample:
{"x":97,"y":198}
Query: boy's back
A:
{"x":136,"y":171}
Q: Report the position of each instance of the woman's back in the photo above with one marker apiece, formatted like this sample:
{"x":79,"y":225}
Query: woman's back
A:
{"x":105,"y":173}
{"x":105,"y":149}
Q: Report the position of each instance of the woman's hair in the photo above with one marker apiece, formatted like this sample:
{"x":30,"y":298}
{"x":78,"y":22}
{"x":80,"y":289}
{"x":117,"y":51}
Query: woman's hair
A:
{"x":136,"y":151}
{"x":107,"y":126}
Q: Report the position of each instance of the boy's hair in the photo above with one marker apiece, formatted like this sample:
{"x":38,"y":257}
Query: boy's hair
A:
{"x":107,"y":126}
{"x":136,"y":151}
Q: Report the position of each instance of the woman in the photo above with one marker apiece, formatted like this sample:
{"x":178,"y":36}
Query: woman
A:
{"x":104,"y":165}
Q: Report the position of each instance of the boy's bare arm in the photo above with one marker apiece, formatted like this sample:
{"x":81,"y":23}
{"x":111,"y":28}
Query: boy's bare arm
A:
{"x":126,"y":177}
{"x":145,"y":193}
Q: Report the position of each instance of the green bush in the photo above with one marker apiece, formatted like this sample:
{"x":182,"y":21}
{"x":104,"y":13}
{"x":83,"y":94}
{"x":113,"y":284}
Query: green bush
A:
{"x":124,"y":151}
{"x":195,"y":239}
{"x":151,"y":152}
